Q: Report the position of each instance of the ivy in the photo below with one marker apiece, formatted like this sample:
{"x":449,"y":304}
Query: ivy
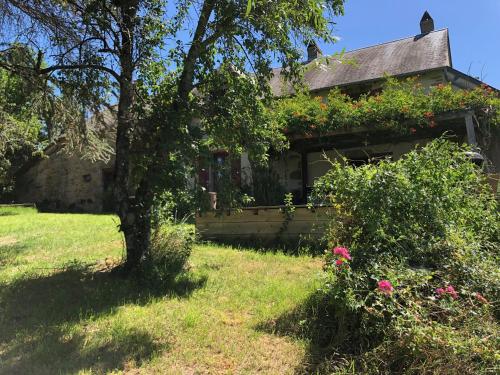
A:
{"x":402,"y":106}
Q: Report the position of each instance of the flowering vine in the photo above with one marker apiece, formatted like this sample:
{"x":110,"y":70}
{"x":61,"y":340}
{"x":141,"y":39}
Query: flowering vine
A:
{"x":404,"y":106}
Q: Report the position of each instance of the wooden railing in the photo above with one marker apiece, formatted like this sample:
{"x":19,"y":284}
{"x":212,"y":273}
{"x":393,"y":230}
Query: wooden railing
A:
{"x":262,"y":224}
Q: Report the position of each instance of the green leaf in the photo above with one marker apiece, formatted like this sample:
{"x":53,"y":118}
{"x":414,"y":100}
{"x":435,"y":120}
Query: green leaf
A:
{"x":249,"y":8}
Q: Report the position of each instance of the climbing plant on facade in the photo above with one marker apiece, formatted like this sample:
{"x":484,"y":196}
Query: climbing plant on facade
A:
{"x":403,"y":106}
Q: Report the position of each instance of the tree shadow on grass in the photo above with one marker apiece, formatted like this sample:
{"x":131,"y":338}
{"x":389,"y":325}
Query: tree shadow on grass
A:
{"x":328,"y":339}
{"x":43,"y":328}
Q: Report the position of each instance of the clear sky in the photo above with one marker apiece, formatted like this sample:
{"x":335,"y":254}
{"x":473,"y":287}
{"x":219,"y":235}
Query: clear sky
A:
{"x":474,"y":28}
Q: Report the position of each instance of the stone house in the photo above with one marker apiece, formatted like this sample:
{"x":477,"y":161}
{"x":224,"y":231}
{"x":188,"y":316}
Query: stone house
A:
{"x":425,"y":56}
{"x":63,"y":182}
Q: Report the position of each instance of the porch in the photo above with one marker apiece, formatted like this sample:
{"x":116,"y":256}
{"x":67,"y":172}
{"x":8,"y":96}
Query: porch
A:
{"x":266,"y":225}
{"x":297,"y":169}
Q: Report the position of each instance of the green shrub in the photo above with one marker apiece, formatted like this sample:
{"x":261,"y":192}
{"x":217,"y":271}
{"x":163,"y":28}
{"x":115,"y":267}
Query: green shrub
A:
{"x":179,"y":206}
{"x":421,"y":275}
{"x":171,"y":246}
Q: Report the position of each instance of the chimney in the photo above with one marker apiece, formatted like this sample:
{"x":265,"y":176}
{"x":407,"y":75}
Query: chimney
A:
{"x":313,"y":51}
{"x":426,"y":23}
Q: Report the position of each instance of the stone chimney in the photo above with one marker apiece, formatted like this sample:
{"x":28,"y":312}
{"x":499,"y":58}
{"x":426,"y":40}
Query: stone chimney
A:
{"x":426,"y":23}
{"x":313,"y":51}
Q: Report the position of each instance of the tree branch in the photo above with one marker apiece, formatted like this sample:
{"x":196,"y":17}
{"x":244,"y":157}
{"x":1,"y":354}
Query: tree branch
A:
{"x":80,"y":66}
{"x":186,"y":79}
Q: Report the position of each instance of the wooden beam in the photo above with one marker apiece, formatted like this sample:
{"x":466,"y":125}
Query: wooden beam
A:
{"x":471,"y":133}
{"x":304,"y":176}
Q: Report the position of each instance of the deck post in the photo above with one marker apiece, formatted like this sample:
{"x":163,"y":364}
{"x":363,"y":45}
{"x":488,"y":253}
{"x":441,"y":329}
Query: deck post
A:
{"x":471,"y":133}
{"x":304,"y":176}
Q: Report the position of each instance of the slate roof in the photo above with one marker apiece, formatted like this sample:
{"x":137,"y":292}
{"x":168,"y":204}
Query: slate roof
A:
{"x":400,"y":57}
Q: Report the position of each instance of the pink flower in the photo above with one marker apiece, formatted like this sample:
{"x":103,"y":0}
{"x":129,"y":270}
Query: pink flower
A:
{"x":451,"y":291}
{"x":440,"y":292}
{"x":343,"y":252}
{"x":385,"y":287}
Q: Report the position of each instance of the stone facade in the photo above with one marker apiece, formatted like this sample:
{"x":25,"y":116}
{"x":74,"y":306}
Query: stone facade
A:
{"x":62,"y":182}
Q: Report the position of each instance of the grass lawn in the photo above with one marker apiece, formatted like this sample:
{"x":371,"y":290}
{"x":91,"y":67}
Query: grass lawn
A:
{"x":62,"y":312}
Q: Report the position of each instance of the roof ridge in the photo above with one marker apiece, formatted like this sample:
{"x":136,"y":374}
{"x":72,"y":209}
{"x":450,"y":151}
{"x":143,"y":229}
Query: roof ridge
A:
{"x":395,"y":40}
{"x":373,"y":45}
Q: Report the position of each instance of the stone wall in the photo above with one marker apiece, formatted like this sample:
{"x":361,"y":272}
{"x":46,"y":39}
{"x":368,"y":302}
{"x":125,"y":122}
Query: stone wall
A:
{"x":62,"y":182}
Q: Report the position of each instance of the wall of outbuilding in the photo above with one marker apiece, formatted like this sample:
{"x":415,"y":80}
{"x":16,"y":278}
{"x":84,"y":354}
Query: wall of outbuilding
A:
{"x":62,"y":182}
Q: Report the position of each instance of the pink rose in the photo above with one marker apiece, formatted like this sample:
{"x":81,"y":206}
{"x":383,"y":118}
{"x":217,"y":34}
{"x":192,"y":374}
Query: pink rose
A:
{"x":440,"y":292}
{"x":451,"y":291}
{"x":343,"y":252}
{"x":385,"y":287}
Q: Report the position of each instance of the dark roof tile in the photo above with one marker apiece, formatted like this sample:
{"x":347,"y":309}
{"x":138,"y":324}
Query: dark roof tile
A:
{"x":400,"y":57}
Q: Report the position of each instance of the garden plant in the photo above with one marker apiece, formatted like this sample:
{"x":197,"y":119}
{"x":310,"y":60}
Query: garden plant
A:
{"x":413,"y":281}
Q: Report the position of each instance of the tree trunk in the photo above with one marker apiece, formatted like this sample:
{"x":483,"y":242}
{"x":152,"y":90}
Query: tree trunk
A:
{"x":137,"y":230}
{"x":134,"y":206}
{"x":133,"y":211}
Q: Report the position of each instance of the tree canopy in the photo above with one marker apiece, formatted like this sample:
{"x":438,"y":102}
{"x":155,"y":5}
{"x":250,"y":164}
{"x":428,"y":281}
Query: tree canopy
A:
{"x":164,"y":64}
{"x":20,"y":123}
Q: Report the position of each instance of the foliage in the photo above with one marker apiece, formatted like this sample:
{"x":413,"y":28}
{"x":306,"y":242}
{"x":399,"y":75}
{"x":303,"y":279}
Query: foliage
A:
{"x":420,"y":276}
{"x":171,"y":246}
{"x":20,"y":124}
{"x":403,"y":105}
{"x":19,"y":140}
{"x":233,"y":120}
{"x":35,"y":111}
{"x":266,"y":188}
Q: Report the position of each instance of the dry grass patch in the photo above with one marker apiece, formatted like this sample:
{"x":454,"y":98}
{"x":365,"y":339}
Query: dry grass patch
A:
{"x":8,"y":241}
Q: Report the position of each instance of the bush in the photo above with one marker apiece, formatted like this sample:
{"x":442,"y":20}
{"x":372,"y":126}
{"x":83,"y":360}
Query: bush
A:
{"x":414,"y":272}
{"x":171,"y":246}
{"x":177,"y":207}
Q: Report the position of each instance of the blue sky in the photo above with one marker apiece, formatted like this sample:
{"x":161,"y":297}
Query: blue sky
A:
{"x":474,"y":28}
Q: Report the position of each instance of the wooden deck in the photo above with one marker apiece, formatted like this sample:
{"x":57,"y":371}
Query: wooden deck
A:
{"x":265,"y":224}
